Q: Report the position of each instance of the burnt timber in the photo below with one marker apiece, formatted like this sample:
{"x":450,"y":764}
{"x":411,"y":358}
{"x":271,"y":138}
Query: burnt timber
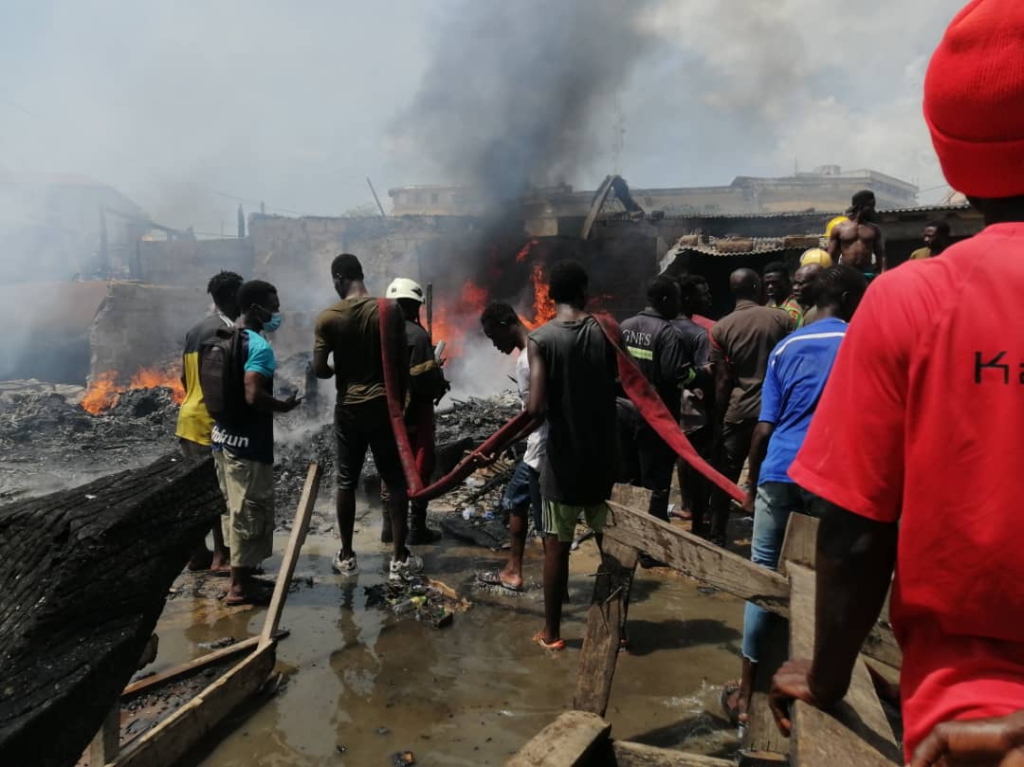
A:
{"x":84,"y":574}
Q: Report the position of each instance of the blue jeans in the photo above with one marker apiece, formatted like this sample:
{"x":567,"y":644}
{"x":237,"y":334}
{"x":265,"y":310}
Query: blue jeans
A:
{"x":774,"y":503}
{"x":522,"y":493}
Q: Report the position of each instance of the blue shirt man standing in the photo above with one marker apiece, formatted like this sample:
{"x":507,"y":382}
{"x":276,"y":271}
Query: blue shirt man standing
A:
{"x":798,"y":369}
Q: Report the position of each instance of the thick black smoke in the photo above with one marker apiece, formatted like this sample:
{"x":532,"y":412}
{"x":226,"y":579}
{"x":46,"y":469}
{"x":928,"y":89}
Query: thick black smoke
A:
{"x":519,"y":93}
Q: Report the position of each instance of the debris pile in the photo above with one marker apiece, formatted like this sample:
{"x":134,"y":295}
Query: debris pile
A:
{"x":421,"y":598}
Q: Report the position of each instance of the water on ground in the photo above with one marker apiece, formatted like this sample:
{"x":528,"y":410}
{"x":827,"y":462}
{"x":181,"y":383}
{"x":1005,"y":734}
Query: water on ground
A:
{"x":361,"y":684}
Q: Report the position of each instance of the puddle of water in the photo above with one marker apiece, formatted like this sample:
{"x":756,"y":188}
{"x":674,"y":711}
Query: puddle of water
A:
{"x":361,"y":680}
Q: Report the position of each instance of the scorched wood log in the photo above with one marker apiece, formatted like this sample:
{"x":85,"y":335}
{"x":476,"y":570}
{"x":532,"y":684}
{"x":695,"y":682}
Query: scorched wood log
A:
{"x":84,"y":574}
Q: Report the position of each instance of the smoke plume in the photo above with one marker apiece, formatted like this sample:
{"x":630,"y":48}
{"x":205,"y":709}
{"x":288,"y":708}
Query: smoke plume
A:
{"x":518,"y":94}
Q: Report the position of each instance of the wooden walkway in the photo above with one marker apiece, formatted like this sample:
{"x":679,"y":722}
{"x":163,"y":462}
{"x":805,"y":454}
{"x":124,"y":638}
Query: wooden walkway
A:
{"x":855,"y":733}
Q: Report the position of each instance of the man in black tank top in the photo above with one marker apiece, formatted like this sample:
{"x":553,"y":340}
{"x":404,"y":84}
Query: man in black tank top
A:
{"x":573,"y":374}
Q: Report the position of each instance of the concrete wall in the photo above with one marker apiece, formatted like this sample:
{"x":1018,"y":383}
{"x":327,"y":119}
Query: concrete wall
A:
{"x":142,"y":326}
{"x":139,"y":326}
{"x":296,"y":253}
{"x":191,"y":263}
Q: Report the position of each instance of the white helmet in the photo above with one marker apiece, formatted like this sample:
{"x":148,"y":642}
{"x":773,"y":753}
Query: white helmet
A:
{"x":402,"y":287}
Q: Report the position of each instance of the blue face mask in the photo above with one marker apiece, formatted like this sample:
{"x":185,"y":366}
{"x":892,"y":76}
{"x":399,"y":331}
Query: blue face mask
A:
{"x":274,"y":322}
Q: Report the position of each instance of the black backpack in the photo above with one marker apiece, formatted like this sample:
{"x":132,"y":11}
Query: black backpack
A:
{"x":222,"y":375}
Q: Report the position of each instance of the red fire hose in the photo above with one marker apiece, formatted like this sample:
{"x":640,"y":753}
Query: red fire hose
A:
{"x":636,"y":386}
{"x":653,"y":410}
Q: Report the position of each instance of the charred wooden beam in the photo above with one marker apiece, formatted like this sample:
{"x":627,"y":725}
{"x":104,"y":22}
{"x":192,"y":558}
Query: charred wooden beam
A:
{"x":84,"y":574}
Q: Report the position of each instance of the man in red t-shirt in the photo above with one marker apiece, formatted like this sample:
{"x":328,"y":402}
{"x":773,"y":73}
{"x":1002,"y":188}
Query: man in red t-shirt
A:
{"x":937,"y":349}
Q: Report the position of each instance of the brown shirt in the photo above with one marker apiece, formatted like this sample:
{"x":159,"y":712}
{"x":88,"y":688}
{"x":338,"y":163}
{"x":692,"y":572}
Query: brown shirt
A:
{"x":350,"y":329}
{"x":745,"y":340}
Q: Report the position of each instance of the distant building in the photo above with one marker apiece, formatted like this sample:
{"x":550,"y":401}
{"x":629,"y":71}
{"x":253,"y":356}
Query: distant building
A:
{"x":60,"y":227}
{"x":827,"y":188}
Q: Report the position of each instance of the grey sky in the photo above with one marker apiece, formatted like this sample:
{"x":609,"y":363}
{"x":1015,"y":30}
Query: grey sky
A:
{"x":295,"y":103}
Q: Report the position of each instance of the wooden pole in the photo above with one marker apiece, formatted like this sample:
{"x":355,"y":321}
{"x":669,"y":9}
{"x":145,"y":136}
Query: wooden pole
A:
{"x":376,"y":198}
{"x":300,"y":526}
{"x":430,"y":311}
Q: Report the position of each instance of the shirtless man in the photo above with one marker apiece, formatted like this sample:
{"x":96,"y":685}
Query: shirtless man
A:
{"x":855,"y":241}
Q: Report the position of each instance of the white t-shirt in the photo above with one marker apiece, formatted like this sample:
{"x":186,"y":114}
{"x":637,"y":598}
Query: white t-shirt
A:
{"x":538,"y":438}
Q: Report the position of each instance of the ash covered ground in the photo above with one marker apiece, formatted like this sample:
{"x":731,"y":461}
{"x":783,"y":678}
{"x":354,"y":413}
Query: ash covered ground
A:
{"x":48,"y":442}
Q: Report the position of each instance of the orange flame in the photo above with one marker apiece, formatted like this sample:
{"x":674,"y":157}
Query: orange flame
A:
{"x":102,"y":393}
{"x":543,"y":306}
{"x":104,"y":390}
{"x":522,"y":254}
{"x":453,"y":320}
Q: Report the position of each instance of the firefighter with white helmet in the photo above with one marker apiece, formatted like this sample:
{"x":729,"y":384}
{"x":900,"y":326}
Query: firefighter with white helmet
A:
{"x":427,"y":386}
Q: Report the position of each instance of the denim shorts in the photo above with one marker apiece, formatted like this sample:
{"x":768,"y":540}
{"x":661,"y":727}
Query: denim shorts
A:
{"x":523,"y":492}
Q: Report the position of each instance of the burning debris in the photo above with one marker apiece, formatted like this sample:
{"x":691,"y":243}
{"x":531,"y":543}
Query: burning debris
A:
{"x":104,"y":391}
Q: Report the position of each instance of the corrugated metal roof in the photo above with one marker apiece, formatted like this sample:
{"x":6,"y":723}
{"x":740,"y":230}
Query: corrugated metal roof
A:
{"x":825,"y":214}
{"x":730,"y":246}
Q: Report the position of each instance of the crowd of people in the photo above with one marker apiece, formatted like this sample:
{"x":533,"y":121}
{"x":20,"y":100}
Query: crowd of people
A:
{"x":900,"y":431}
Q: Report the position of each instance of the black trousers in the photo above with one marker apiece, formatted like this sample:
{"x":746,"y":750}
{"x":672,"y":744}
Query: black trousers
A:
{"x":735,"y":448}
{"x":656,"y":460}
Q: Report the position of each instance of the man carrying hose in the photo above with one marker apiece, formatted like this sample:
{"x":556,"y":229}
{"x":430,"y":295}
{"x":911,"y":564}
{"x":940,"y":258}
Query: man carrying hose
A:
{"x":350,"y":331}
{"x":427,"y":386}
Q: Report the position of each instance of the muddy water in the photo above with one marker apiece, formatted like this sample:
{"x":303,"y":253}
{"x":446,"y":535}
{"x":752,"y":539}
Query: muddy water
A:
{"x":361,"y":684}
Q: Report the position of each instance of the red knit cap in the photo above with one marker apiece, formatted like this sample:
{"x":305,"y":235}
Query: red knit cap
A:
{"x":974,"y":99}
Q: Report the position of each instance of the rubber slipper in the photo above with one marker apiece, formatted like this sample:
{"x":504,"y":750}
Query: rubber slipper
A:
{"x":732,"y":714}
{"x":558,"y":644}
{"x":493,"y":578}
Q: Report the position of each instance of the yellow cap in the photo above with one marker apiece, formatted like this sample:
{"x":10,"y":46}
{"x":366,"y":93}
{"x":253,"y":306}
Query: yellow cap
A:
{"x":816,"y":256}
{"x":834,"y":222}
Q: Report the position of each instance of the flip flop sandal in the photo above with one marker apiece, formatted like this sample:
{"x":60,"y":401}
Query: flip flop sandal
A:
{"x":732,"y":714}
{"x":493,"y":578}
{"x":558,"y":644}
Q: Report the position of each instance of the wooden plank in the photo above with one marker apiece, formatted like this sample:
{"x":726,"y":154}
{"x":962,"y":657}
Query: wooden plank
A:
{"x":800,"y":543}
{"x":604,"y":632}
{"x":185,"y":669}
{"x":723,"y":570}
{"x":107,"y":742}
{"x":631,"y":496}
{"x":698,"y":558}
{"x":856,"y":731}
{"x":762,"y":734}
{"x":300,"y":526}
{"x":574,"y":739}
{"x":170,"y":740}
{"x":640,"y":755}
{"x":747,"y":758}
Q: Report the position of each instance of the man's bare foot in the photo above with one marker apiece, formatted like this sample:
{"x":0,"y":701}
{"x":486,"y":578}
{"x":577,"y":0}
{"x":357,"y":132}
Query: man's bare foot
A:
{"x":201,"y":560}
{"x":734,"y":704}
{"x":511,"y":579}
{"x":548,"y":642}
{"x":221,"y":562}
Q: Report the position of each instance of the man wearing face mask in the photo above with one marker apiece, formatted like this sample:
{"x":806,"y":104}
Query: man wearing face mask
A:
{"x":243,"y":450}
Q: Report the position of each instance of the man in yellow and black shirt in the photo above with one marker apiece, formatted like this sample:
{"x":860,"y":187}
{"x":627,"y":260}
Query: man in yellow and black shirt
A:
{"x":194,"y":422}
